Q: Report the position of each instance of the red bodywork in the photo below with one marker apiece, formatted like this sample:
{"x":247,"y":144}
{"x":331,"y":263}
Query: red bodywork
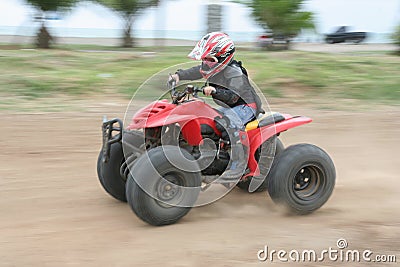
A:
{"x":190,"y":115}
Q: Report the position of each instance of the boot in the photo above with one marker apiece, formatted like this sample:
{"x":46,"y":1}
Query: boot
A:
{"x":238,"y":161}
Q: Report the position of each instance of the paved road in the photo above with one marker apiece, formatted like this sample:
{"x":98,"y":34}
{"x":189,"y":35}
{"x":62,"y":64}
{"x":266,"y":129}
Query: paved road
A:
{"x":312,"y":47}
{"x":342,"y":48}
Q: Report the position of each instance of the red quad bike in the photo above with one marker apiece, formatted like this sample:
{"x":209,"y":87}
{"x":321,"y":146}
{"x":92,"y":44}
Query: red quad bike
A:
{"x":161,"y":162}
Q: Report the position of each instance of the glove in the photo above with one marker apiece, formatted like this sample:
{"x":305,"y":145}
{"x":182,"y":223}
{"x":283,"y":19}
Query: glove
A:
{"x":173,"y":78}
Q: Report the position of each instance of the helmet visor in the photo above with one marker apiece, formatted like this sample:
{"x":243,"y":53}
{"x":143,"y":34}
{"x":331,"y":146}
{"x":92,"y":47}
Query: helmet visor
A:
{"x":195,"y":54}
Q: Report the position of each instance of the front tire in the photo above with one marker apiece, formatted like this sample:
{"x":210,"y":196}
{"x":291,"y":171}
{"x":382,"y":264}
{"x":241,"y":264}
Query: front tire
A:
{"x":302,"y":178}
{"x":109,"y":172}
{"x":163,"y":185}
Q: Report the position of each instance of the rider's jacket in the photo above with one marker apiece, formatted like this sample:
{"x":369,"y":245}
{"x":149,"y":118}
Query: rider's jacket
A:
{"x":232,"y":86}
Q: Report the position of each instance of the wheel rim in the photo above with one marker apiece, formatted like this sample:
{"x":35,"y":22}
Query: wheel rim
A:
{"x":308,"y":183}
{"x":169,"y":190}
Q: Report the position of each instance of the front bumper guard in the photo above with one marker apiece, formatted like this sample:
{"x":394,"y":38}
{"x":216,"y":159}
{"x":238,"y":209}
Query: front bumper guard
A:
{"x":111,"y":134}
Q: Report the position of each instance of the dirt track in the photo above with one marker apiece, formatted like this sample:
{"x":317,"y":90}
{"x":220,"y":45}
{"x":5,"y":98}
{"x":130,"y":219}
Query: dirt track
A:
{"x":54,"y":212}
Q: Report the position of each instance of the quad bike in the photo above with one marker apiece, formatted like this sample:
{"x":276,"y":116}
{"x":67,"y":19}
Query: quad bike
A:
{"x":160,"y":163}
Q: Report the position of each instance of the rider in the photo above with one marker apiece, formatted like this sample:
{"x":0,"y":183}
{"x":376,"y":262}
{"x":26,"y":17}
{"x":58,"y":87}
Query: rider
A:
{"x":228,"y":84}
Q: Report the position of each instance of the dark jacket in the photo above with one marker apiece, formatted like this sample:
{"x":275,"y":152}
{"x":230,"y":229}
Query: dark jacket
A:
{"x":232,"y":85}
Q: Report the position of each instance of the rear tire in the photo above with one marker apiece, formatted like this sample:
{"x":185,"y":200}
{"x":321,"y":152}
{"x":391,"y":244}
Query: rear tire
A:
{"x":151,"y":191}
{"x":244,"y":185}
{"x":302,"y":178}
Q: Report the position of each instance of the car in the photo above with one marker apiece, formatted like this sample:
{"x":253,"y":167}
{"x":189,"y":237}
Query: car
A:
{"x":271,"y":41}
{"x":342,"y":34}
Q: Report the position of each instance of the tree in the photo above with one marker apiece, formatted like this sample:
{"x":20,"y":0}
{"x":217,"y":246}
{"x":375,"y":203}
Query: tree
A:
{"x":283,"y":17}
{"x":43,"y":37}
{"x":128,"y":10}
{"x":396,"y":38}
{"x":214,"y":18}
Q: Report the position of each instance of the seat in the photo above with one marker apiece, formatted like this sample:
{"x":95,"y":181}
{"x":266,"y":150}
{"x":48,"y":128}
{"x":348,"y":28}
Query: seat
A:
{"x":265,"y":120}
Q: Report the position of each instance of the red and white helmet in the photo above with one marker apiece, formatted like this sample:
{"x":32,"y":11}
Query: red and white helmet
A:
{"x":216,"y":50}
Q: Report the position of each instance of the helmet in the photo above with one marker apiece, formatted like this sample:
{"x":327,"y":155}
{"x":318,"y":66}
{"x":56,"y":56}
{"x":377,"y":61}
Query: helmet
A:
{"x":216,"y":50}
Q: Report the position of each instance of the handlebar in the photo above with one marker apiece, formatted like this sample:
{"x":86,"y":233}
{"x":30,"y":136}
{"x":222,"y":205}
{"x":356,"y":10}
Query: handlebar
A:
{"x":189,"y":90}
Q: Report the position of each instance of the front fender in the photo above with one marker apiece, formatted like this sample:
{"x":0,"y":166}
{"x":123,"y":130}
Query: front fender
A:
{"x":189,"y":116}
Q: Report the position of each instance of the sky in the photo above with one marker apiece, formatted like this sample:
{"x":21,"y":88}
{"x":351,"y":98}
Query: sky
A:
{"x":380,"y":16}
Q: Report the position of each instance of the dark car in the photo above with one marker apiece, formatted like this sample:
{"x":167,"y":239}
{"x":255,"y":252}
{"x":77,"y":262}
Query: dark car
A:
{"x":343,"y":35}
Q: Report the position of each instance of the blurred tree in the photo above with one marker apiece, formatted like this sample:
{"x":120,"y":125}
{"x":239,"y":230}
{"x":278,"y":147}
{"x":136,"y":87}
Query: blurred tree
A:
{"x":128,"y":10}
{"x":214,"y":17}
{"x":43,"y":37}
{"x":283,"y":17}
{"x":396,"y":38}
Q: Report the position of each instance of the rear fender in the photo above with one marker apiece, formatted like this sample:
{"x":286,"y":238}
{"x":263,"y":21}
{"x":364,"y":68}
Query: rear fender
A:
{"x":260,"y":135}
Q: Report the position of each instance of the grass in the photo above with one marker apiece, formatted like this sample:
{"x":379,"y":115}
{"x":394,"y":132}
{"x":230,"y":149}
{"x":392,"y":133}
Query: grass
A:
{"x":85,"y":70}
{"x":373,"y":78}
